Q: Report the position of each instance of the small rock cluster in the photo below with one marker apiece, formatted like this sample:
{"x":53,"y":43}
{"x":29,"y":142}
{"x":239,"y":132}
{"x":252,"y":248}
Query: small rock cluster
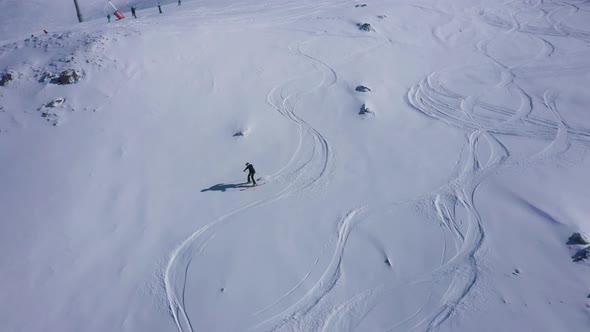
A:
{"x":578,"y":238}
{"x":364,"y":108}
{"x":51,"y":110}
{"x":363,"y":5}
{"x":69,"y":76}
{"x":5,"y":78}
{"x":581,"y":255}
{"x":241,"y":133}
{"x":364,"y":26}
{"x":362,"y":88}
{"x":76,"y":51}
{"x":581,"y":243}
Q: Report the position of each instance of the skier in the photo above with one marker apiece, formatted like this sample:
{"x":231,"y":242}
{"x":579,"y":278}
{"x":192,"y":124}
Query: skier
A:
{"x":133,"y":11}
{"x":159,"y":7}
{"x":251,"y":173}
{"x":179,"y":2}
{"x":109,"y":18}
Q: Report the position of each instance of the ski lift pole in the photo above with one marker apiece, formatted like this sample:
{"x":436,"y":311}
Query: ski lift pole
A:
{"x":80,"y":18}
{"x":117,"y":13}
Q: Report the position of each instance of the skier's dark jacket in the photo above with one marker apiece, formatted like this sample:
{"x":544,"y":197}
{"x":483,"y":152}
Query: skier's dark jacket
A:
{"x":250,"y":169}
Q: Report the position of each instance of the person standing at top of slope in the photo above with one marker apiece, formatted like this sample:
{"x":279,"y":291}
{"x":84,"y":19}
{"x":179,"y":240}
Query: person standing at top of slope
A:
{"x":160,"y":7}
{"x":133,"y":11}
{"x":251,"y":173}
{"x":179,"y":2}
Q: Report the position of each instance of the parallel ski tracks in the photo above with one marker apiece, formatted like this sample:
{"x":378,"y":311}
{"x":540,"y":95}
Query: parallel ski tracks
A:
{"x":311,"y":164}
{"x":488,"y":122}
{"x":307,"y":168}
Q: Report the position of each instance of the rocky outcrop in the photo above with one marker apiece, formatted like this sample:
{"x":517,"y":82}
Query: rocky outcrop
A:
{"x":364,"y":26}
{"x":365,"y":110}
{"x":582,"y":255}
{"x":69,"y":76}
{"x":53,"y":111}
{"x":578,"y":239}
{"x":56,"y":102}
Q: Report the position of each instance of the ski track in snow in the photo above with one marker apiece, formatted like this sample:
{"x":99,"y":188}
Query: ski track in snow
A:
{"x":296,"y":317}
{"x":488,"y":122}
{"x":434,"y":99}
{"x":483,"y":154}
{"x":305,"y":170}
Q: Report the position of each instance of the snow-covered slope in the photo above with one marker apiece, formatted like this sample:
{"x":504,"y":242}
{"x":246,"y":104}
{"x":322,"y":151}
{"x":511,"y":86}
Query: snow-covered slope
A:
{"x":446,"y":207}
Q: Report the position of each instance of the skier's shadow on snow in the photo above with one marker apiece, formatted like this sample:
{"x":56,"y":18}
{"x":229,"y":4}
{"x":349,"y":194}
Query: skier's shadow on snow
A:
{"x":226,"y":186}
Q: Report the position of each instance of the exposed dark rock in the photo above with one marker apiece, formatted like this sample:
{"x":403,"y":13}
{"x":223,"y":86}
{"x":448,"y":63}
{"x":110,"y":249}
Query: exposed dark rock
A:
{"x":56,"y":102}
{"x":582,"y":255}
{"x":364,"y":26}
{"x":241,"y":133}
{"x":388,"y":262}
{"x":69,"y":76}
{"x":52,"y":112}
{"x":362,"y":88}
{"x":6,"y":78}
{"x":47,"y":77}
{"x":381,"y":16}
{"x":363,"y":5}
{"x":365,"y":110}
{"x":578,"y":238}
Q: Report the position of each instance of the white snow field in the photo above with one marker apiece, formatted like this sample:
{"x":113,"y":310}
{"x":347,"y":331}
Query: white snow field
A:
{"x":447,"y":206}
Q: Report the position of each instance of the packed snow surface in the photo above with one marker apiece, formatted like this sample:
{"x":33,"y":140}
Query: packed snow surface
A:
{"x":421,"y":166}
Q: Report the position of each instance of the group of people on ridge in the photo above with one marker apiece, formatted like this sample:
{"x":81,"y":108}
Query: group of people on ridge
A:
{"x":133,"y":9}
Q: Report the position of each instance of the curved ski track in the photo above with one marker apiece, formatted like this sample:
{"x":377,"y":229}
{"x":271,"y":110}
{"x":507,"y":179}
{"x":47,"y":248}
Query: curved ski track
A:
{"x":487,"y":122}
{"x":305,"y":170}
{"x":483,"y":154}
